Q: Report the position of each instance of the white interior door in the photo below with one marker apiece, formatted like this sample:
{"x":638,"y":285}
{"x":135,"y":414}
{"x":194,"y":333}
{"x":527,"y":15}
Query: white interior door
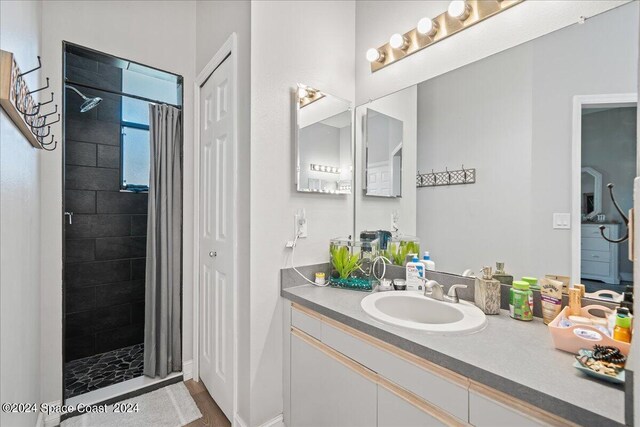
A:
{"x":217,"y":218}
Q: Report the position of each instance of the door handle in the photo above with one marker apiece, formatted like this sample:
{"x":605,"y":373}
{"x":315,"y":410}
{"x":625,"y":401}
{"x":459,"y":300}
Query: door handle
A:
{"x":213,"y":254}
{"x":70,"y":215}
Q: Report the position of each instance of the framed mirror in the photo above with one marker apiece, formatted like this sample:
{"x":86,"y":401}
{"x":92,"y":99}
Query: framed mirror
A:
{"x":534,"y":174}
{"x":591,"y":190}
{"x":383,"y":160}
{"x":323,"y":142}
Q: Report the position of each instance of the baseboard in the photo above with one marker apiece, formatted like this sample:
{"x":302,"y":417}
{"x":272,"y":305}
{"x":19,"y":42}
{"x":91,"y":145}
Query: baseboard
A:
{"x":275,"y":422}
{"x":52,"y":419}
{"x":187,"y":370}
{"x":238,"y":421}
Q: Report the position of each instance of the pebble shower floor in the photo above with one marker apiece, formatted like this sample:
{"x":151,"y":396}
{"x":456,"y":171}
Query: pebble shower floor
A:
{"x":102,"y":370}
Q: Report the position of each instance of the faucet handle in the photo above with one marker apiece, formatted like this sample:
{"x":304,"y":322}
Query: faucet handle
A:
{"x":453,"y":290}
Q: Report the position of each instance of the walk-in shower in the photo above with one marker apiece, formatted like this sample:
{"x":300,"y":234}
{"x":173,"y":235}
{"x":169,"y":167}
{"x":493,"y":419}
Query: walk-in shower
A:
{"x":106,"y":169}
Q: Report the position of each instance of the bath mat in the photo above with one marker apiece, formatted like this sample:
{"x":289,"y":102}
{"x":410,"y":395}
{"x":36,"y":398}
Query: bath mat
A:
{"x":170,"y":406}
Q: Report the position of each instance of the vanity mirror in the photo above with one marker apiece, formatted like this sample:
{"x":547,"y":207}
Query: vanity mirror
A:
{"x":323,"y":142}
{"x":514,"y":118}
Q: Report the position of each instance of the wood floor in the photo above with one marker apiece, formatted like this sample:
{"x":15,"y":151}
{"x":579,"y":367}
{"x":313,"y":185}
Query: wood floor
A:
{"x":212,"y":415}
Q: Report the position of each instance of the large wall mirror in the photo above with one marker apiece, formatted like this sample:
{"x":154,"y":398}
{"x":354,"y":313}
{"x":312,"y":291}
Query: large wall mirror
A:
{"x":535,"y":202}
{"x":323,"y":141}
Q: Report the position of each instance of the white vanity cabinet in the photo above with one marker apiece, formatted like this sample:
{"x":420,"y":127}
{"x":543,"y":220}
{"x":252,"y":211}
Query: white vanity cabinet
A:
{"x":338,"y":376}
{"x":326,"y":389}
{"x":599,"y":258}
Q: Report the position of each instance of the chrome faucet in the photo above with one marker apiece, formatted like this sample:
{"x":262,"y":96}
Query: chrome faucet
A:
{"x":435,"y":290}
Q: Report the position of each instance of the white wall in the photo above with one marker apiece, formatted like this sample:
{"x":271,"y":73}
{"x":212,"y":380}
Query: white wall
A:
{"x":20,"y":227}
{"x":156,"y":33}
{"x":377,"y":20}
{"x":215,"y":21}
{"x":309,"y":42}
{"x":470,"y":117}
{"x":516,"y":131}
{"x":374,"y":213}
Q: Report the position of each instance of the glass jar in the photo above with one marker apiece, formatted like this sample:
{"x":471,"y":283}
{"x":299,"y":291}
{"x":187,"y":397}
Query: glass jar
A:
{"x":521,"y":301}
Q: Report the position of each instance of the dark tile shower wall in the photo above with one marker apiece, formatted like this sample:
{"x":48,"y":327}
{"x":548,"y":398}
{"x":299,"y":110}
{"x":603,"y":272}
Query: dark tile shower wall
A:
{"x":106,"y":244}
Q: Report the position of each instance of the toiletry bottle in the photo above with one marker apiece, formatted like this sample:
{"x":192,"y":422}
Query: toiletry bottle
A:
{"x":415,"y":271}
{"x":487,"y":292}
{"x":575,"y":301}
{"x":428,"y":263}
{"x":622,"y":331}
{"x":501,"y":276}
{"x":627,"y":300}
{"x":521,"y":301}
{"x":533,"y":283}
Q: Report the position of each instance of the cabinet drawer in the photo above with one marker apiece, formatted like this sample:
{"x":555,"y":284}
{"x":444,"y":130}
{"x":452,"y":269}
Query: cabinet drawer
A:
{"x":595,"y":268}
{"x":436,"y":385}
{"x":484,"y":411}
{"x":595,"y":244}
{"x":307,"y":321}
{"x":596,"y":256}
{"x":594,"y":231}
{"x":492,"y":408}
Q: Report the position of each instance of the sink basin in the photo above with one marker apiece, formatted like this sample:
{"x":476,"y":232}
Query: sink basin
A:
{"x":413,"y":310}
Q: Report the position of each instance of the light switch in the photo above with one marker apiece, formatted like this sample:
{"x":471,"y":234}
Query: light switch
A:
{"x":561,"y":220}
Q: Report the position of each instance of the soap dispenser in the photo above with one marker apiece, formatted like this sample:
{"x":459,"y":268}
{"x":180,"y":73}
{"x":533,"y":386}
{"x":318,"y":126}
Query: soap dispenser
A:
{"x":501,"y":276}
{"x":487,"y":292}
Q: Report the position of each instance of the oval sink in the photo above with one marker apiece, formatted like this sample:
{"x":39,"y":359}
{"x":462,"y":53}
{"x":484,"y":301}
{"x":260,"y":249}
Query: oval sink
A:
{"x":415,"y":311}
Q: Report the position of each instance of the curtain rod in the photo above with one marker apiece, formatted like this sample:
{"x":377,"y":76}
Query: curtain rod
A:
{"x":116,"y":92}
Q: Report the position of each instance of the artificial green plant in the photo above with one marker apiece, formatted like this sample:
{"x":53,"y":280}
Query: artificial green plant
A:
{"x":343,"y":262}
{"x":397,"y":253}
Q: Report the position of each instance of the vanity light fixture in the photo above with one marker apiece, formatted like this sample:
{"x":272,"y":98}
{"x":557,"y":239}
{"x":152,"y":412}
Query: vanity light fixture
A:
{"x":459,"y":9}
{"x":427,"y":27}
{"x":374,"y":55}
{"x":398,"y":41}
{"x":324,"y":168}
{"x":306,"y":95}
{"x":460,"y":15}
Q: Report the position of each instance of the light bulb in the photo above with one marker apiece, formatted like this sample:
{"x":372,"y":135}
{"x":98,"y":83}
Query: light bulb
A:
{"x":398,"y":41}
{"x":302,"y":92}
{"x":427,"y":27}
{"x":459,"y":9}
{"x":374,"y":55}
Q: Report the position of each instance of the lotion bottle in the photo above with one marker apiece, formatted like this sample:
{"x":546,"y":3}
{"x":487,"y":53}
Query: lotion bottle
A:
{"x":487,"y":292}
{"x":415,"y":273}
{"x":428,"y":263}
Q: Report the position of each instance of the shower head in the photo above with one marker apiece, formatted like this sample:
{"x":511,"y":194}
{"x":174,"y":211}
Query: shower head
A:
{"x":89,"y":103}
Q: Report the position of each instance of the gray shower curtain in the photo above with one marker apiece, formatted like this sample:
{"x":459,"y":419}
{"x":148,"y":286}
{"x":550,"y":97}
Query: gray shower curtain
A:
{"x":162,"y":335}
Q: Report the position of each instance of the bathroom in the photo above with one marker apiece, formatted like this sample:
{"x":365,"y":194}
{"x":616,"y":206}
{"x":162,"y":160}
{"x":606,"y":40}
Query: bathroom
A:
{"x":504,"y":103}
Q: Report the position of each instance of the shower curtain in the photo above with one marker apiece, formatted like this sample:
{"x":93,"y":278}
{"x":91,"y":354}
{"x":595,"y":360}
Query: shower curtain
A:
{"x":162,"y":335}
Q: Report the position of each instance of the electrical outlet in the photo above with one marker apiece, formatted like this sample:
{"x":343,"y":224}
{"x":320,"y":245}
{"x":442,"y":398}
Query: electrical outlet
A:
{"x":395,"y":218}
{"x":300,"y":225}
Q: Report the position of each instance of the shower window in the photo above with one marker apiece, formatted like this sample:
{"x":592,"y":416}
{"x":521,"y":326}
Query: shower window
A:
{"x":135,"y":157}
{"x":135,"y":124}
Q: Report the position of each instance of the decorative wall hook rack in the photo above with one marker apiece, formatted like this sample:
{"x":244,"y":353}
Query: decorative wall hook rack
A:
{"x":453,"y":177}
{"x":624,"y":218}
{"x":17,"y":100}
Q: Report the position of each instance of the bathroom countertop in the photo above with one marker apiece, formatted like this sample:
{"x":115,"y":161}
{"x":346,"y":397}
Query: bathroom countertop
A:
{"x":515,"y":357}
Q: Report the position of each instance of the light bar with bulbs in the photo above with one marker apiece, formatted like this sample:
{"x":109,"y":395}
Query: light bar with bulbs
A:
{"x":323,"y":168}
{"x":460,"y":15}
